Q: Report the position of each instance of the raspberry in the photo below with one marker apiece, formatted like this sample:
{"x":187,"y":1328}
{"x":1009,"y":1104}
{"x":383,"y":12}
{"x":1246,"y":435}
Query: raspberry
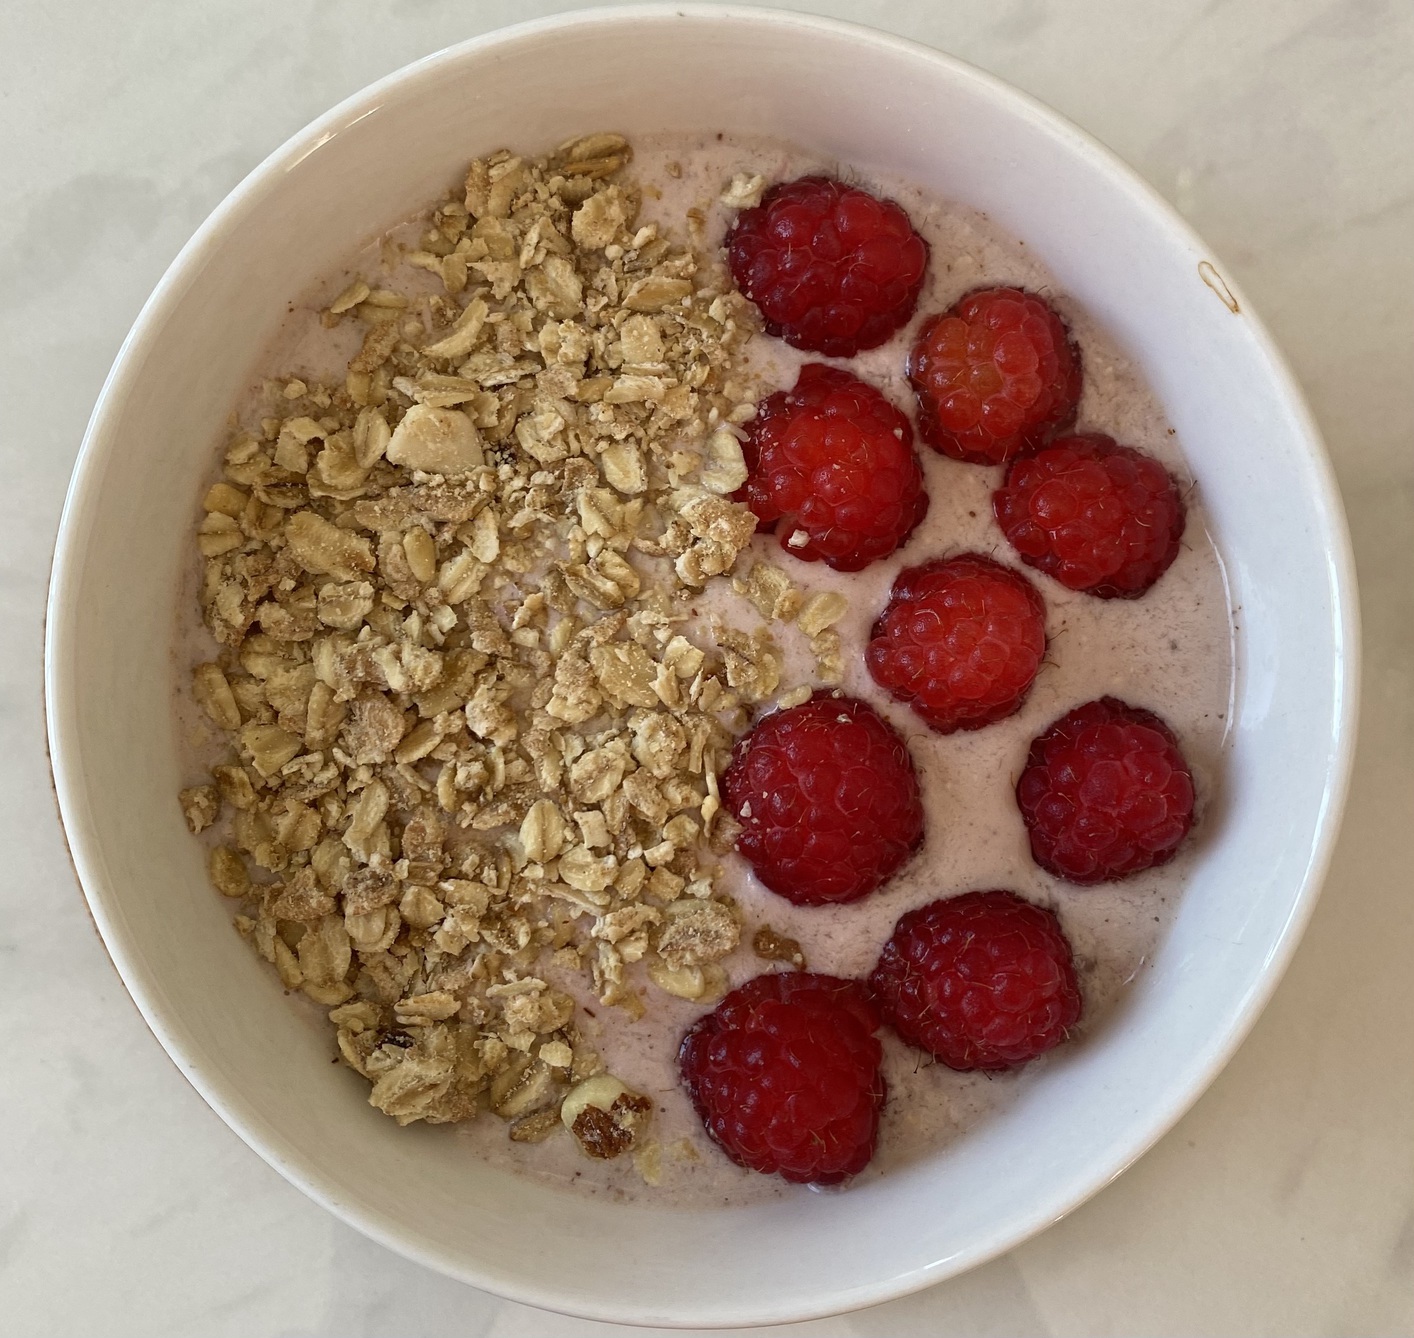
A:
{"x":832,"y":268}
{"x":827,"y":799}
{"x":981,"y":981}
{"x":834,"y":458}
{"x":995,"y":376}
{"x":1101,"y":518}
{"x":960,"y":641}
{"x":1105,"y":793}
{"x":784,"y":1073}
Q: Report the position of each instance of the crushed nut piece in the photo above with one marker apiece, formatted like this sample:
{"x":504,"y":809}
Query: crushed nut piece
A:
{"x":438,"y":441}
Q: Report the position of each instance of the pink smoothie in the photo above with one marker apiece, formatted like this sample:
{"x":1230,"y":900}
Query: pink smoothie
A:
{"x":1169,"y":651}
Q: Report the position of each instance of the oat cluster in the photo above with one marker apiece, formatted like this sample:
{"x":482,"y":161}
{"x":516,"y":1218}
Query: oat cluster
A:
{"x":475,"y":736}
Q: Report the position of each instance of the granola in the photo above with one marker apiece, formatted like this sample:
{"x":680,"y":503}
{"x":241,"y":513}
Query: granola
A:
{"x":475,"y":737}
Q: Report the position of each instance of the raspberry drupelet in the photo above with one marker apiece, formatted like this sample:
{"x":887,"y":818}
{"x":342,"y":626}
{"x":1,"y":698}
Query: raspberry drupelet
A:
{"x":833,"y":269}
{"x":833,"y":470}
{"x":827,"y":799}
{"x":985,"y":980}
{"x":784,"y":1074}
{"x":960,"y":641}
{"x":995,"y":376}
{"x":1098,"y":517}
{"x":1105,"y":793}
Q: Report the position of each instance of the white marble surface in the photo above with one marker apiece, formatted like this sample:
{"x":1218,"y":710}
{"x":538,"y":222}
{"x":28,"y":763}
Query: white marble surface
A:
{"x":1283,"y":1204}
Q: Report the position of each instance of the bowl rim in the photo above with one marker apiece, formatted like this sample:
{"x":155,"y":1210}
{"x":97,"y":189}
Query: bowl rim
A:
{"x":83,"y":497}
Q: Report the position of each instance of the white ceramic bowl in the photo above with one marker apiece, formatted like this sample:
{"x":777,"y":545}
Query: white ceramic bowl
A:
{"x":861,"y":97}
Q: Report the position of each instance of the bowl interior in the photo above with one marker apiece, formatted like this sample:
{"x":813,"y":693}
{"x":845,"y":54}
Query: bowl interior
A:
{"x":862,"y":98}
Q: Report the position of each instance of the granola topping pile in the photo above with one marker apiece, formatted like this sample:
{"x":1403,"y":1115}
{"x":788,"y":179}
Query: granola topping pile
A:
{"x":474,"y":730}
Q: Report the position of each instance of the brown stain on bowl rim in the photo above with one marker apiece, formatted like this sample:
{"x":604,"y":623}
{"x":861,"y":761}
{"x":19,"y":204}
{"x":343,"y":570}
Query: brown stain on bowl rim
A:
{"x":1208,"y":272}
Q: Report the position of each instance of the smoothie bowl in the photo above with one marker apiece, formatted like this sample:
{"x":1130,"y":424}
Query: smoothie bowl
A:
{"x":599,"y":530}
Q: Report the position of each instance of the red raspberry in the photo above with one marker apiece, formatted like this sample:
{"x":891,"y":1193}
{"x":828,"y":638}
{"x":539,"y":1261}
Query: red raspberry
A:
{"x":832,"y":268}
{"x":1105,"y":793}
{"x":834,"y":458}
{"x":981,"y":981}
{"x":785,"y":1075}
{"x":960,"y":641}
{"x":827,"y":799}
{"x":995,"y":376}
{"x":1098,"y":517}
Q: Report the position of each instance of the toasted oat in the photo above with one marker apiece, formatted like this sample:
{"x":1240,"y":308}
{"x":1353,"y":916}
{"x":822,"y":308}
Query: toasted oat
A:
{"x":200,"y":805}
{"x":535,"y":1128}
{"x":753,"y":663}
{"x":356,"y":293}
{"x":743,"y":191}
{"x":773,"y":593}
{"x":821,"y":610}
{"x":696,"y":933}
{"x":228,"y":872}
{"x":213,"y":691}
{"x":829,"y":656}
{"x":772,"y":946}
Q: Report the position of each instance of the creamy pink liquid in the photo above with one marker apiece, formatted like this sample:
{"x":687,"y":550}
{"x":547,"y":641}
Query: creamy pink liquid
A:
{"x":1169,"y":652}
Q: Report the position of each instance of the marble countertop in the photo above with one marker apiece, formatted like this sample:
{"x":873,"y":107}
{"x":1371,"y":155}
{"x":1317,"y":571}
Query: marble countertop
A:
{"x":1284,"y":1203}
